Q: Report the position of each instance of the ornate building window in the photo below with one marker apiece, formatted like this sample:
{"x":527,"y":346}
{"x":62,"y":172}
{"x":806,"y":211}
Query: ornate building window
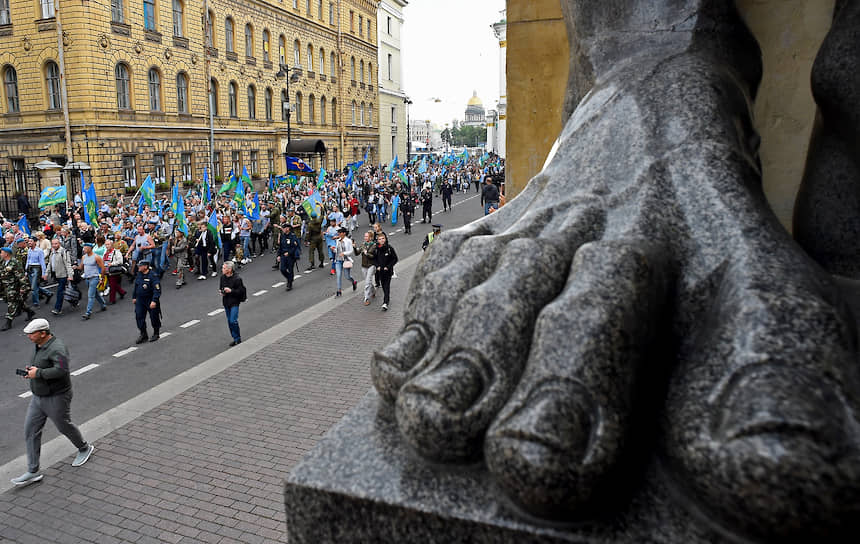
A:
{"x":149,"y":14}
{"x":216,"y":164}
{"x":360,"y":25}
{"x":129,"y":170}
{"x":154,"y":90}
{"x":117,"y":13}
{"x":178,"y":12}
{"x":320,"y":9}
{"x":271,"y":160}
{"x":297,"y":54}
{"x":282,"y":50}
{"x":10,"y":82}
{"x":52,"y":79}
{"x":237,"y":162}
{"x":368,"y":28}
{"x":321,"y":67}
{"x":361,"y":115}
{"x":353,"y":112}
{"x":308,"y":7}
{"x":352,"y":68}
{"x":185,"y":166}
{"x":370,"y":115}
{"x":249,"y":40}
{"x":266,"y":46}
{"x":210,"y":31}
{"x":285,"y":102}
{"x":322,"y":110}
{"x":255,"y":162}
{"x":268,"y":96}
{"x":332,"y":65}
{"x":48,"y":10}
{"x":299,"y":107}
{"x":228,"y":35}
{"x":310,"y":58}
{"x":334,"y":111}
{"x":361,"y":71}
{"x":123,"y":85}
{"x":231,"y":100}
{"x":370,"y":73}
{"x":311,"y":108}
{"x":182,"y":92}
{"x":159,"y":168}
{"x":331,"y":13}
{"x":213,"y":96}
{"x":252,"y":102}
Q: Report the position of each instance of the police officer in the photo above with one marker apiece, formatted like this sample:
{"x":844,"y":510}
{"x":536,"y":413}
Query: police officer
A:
{"x":146,"y":298}
{"x":407,"y":208}
{"x":427,"y":203}
{"x":15,"y":287}
{"x":315,"y":240}
{"x":289,"y":251}
{"x":447,"y":191}
{"x":437,"y":230}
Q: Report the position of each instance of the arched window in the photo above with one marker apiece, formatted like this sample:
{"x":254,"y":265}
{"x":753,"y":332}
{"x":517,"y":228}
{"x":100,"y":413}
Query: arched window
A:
{"x":231,"y":99}
{"x":370,"y":73}
{"x":321,"y":67}
{"x":210,"y":30}
{"x":322,"y":110}
{"x":332,"y":65}
{"x":353,"y":112}
{"x":249,"y":40}
{"x":311,"y":108}
{"x":310,"y":58}
{"x":361,"y":72}
{"x":123,"y":85}
{"x":299,"y":107}
{"x":284,"y":105}
{"x":282,"y":49}
{"x":10,"y":82}
{"x":182,"y":92}
{"x":52,"y":80}
{"x":268,"y":104}
{"x":178,"y":18}
{"x":297,"y":54}
{"x":370,"y":115}
{"x":361,"y":115}
{"x":352,"y":68}
{"x":213,"y":96}
{"x":266,"y":46}
{"x":154,"y":90}
{"x":252,"y":102}
{"x":228,"y":35}
{"x":334,"y":111}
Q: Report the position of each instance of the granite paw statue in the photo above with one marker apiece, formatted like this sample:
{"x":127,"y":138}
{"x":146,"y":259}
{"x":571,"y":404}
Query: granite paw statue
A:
{"x":640,"y":287}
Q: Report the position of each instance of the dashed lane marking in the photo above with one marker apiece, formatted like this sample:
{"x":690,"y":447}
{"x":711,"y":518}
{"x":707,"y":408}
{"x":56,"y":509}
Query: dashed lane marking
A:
{"x":166,"y":334}
{"x":124,"y":352}
{"x":25,"y":395}
{"x":190,"y":323}
{"x":279,"y":284}
{"x":87,"y":368}
{"x":259,"y":293}
{"x":215,"y":312}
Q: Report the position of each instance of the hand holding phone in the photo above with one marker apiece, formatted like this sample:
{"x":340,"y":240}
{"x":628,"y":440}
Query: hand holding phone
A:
{"x":21,"y":372}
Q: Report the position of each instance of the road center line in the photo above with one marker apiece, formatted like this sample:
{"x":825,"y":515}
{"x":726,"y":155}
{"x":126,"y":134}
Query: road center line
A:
{"x":165,"y":334}
{"x":87,"y":368}
{"x":279,"y":284}
{"x":258,"y":293}
{"x":25,"y":395}
{"x":215,"y":312}
{"x":125,"y":351}
{"x":190,"y":323}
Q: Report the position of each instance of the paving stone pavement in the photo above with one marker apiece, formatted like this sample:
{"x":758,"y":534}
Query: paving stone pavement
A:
{"x":208,"y":465}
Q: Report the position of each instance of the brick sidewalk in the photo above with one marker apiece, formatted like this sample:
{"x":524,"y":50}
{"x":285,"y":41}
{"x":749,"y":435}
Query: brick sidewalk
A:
{"x":209,"y":464}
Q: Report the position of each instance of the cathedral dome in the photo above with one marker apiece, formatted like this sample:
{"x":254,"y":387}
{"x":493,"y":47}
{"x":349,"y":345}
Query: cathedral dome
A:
{"x":475,"y":101}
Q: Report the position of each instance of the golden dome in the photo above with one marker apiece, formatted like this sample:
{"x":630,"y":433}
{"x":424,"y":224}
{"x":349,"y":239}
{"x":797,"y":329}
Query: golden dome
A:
{"x":475,"y":101}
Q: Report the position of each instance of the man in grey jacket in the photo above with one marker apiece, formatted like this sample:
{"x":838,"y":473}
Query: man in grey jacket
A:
{"x":60,"y":265}
{"x":51,"y":385}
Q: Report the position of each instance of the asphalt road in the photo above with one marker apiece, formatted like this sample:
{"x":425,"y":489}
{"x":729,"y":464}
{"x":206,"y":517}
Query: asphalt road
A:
{"x":110,"y":369}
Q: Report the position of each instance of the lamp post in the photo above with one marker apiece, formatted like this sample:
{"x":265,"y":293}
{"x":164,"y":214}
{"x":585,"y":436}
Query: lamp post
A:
{"x":408,"y":102}
{"x":294,"y":75}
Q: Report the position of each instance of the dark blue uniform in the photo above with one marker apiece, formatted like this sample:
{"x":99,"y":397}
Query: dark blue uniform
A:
{"x":147,"y":289}
{"x":289,"y":250}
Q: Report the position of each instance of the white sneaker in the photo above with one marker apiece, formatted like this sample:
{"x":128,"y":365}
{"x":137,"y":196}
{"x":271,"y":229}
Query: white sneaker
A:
{"x":27,"y":478}
{"x":214,"y":274}
{"x":83,"y":456}
{"x":201,"y":277}
{"x":385,"y":307}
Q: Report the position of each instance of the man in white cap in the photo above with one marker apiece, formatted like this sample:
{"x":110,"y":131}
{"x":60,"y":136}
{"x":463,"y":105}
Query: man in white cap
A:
{"x":51,"y":385}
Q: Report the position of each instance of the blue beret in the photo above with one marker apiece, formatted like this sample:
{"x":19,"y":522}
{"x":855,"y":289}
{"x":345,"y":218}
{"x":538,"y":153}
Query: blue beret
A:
{"x":7,"y":249}
{"x":88,"y":244}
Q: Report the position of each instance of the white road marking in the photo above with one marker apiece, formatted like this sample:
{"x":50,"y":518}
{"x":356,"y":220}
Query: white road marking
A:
{"x":25,"y":395}
{"x":124,"y":352}
{"x":215,"y":312}
{"x":166,"y":334}
{"x":258,"y":293}
{"x":190,"y":323}
{"x":87,"y":368}
{"x":297,"y":276}
{"x":279,"y":284}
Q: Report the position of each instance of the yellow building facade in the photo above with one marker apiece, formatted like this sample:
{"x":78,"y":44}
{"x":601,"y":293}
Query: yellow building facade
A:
{"x":138,"y":74}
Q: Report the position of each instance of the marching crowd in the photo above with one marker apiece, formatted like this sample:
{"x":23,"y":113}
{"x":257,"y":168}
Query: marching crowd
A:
{"x":91,"y":248}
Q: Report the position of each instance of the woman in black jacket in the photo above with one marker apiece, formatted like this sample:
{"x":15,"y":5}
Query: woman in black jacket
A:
{"x":233,"y":292}
{"x":384,"y":260}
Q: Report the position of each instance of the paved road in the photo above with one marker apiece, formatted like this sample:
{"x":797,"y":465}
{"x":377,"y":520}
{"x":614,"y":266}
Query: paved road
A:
{"x":109,"y":370}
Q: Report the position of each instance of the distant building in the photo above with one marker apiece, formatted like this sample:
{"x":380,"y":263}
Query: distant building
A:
{"x":496,"y":123}
{"x":393,"y":135}
{"x":475,"y":114}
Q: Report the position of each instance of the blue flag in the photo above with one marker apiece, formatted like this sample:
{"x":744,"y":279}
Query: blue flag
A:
{"x":321,"y":178}
{"x":348,"y":181}
{"x":366,"y":150}
{"x":174,"y":199}
{"x":423,"y":166}
{"x":395,"y":205}
{"x":212,"y":226}
{"x":207,"y":191}
{"x":392,"y":165}
{"x":295,"y":164}
{"x":181,"y":222}
{"x":24,"y":225}
{"x":52,"y":195}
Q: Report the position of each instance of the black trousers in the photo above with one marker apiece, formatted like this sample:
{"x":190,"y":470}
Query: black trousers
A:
{"x":141,"y":308}
{"x":288,"y":268}
{"x":385,"y":281}
{"x":446,"y":201}
{"x":427,"y":213}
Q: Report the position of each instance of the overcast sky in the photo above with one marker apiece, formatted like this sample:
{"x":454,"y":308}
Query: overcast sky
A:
{"x":449,"y":50}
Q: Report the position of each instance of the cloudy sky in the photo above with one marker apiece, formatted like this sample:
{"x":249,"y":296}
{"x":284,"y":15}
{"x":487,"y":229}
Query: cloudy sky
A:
{"x":448,"y":51}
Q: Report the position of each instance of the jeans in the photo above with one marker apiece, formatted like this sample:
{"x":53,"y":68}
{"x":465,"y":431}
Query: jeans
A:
{"x":233,"y":322}
{"x":56,"y":407}
{"x":369,"y":289}
{"x":203,"y":257}
{"x":93,"y":294}
{"x":36,"y":289}
{"x":338,"y":268}
{"x":487,"y":205}
{"x":246,"y":243}
{"x":61,"y":291}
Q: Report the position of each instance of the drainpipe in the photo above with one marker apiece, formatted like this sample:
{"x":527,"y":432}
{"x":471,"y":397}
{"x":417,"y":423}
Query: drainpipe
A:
{"x":64,"y":97}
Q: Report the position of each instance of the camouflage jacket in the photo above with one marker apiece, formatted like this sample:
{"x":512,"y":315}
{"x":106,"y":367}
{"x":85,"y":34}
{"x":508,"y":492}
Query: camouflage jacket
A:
{"x":21,"y":257}
{"x":13,"y":278}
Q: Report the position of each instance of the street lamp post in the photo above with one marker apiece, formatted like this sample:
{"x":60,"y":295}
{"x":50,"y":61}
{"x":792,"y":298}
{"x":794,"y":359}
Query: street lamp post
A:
{"x":408,"y":102}
{"x":294,"y":75}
